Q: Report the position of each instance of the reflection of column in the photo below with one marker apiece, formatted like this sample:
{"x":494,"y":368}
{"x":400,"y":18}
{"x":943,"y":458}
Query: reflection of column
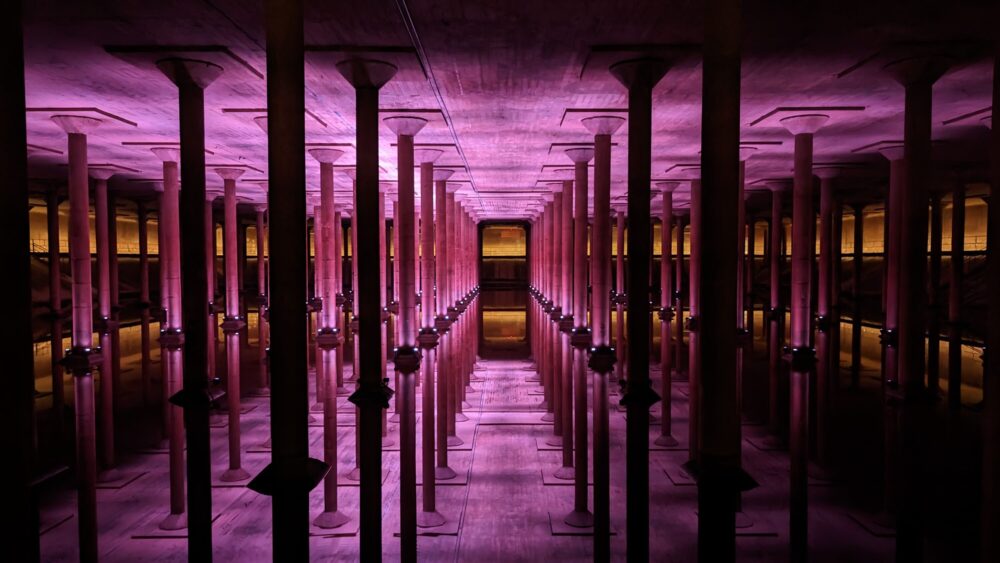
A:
{"x":428,"y":338}
{"x":580,"y":516}
{"x":104,"y":325}
{"x":955,"y":322}
{"x":367,"y":77}
{"x":171,"y":331}
{"x":602,"y":355}
{"x":666,"y":313}
{"x":233,"y":323}
{"x":81,"y":359}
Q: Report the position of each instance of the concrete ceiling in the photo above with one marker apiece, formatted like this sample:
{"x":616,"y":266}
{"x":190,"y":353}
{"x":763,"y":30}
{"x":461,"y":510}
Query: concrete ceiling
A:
{"x":503,"y":84}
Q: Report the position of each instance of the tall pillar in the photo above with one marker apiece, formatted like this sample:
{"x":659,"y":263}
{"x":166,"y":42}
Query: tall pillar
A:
{"x":342,"y":304}
{"x":934,"y":300}
{"x":104,"y":325}
{"x":694,"y":317}
{"x":406,"y":357}
{"x":453,"y":348}
{"x":957,"y":274}
{"x":990,"y":517}
{"x":443,"y":323}
{"x":619,"y":295}
{"x":372,"y":396}
{"x":145,"y":366}
{"x":428,"y":338}
{"x":777,"y":424}
{"x":602,"y":355}
{"x":172,"y":331}
{"x":233,"y":323}
{"x":580,"y":340}
{"x":856,"y":295}
{"x":565,"y":326}
{"x":19,"y":511}
{"x":262,"y":384}
{"x":666,"y":313}
{"x":552,"y":326}
{"x":803,"y":356}
{"x":56,"y":318}
{"x":81,"y":358}
{"x":212,"y":337}
{"x":826,"y":324}
{"x":328,"y":337}
{"x":744,"y":338}
{"x":679,"y":302}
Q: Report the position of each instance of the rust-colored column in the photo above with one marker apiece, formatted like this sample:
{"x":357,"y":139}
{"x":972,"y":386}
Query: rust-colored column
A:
{"x":428,"y":338}
{"x":383,"y":235}
{"x":744,"y":338}
{"x":934,"y":299}
{"x":803,"y":356}
{"x":406,"y":357}
{"x":443,"y":324}
{"x":957,"y":275}
{"x":548,"y":228}
{"x":580,"y":340}
{"x":262,"y":384}
{"x":80,"y":359}
{"x":679,"y":302}
{"x":314,"y":314}
{"x":454,"y":367}
{"x":552,"y":326}
{"x":104,"y":325}
{"x":212,"y":337}
{"x":56,"y":317}
{"x":666,"y":313}
{"x":602,"y":355}
{"x":145,"y":362}
{"x":328,"y":337}
{"x":777,"y":424}
{"x":565,"y":327}
{"x":340,"y":301}
{"x":232,"y":324}
{"x":172,"y":331}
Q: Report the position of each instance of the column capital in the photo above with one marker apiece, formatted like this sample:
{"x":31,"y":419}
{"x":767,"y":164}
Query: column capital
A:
{"x":326,"y":156}
{"x":426,"y":156}
{"x":442,"y":174}
{"x":805,"y":123}
{"x":407,"y":125}
{"x":643,"y":72}
{"x":229,"y":173}
{"x":101,"y":174}
{"x":167,"y":154}
{"x":79,"y":124}
{"x":603,"y":124}
{"x":580,"y":154}
{"x":366,"y":73}
{"x":189,"y":71}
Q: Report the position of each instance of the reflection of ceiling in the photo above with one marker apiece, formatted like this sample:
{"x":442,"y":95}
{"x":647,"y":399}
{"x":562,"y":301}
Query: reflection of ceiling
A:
{"x":502,"y":83}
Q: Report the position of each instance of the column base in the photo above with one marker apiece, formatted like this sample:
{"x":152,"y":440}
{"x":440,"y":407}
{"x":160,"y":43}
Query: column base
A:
{"x":174,"y":522}
{"x":444,"y":473}
{"x":233,"y":475}
{"x":388,"y":442}
{"x":317,"y":407}
{"x":331,"y":520}
{"x":354,"y":474}
{"x":394,"y":417}
{"x":548,"y":417}
{"x":579,"y":519}
{"x":430,"y":519}
{"x":455,"y":441}
{"x":343,"y":391}
{"x":554,"y":440}
{"x":459,"y":417}
{"x":666,"y":440}
{"x":565,"y":472}
{"x":111,"y":475}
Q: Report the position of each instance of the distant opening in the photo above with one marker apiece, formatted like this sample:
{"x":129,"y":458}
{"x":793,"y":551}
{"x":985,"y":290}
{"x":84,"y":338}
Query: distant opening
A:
{"x":504,"y":283}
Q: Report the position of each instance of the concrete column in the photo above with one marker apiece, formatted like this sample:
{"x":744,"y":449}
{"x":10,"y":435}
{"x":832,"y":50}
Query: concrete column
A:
{"x":384,"y":296}
{"x":666,"y":313}
{"x":454,"y":373}
{"x":212,"y":339}
{"x":367,"y":76}
{"x":442,"y":323}
{"x":172,"y":332}
{"x":191,"y":78}
{"x":551,"y":326}
{"x":956,"y":322}
{"x":81,"y":358}
{"x":580,"y":340}
{"x":777,"y":386}
{"x":232,"y":324}
{"x":990,"y":516}
{"x":803,"y":356}
{"x":858,"y":264}
{"x":428,"y":338}
{"x":679,"y":302}
{"x":145,"y":367}
{"x":341,"y":302}
{"x":406,"y":357}
{"x":619,"y":296}
{"x":602,"y":355}
{"x":694,"y":318}
{"x":262,"y":383}
{"x":56,"y":317}
{"x":744,"y":338}
{"x":827,"y":325}
{"x":934,"y":299}
{"x":565,"y":325}
{"x":328,"y":337}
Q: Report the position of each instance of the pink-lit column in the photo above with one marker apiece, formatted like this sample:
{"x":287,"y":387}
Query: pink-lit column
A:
{"x":341,"y":302}
{"x":826,"y":366}
{"x":744,"y":338}
{"x":545,"y":364}
{"x":803,"y":356}
{"x":56,"y":315}
{"x":145,"y":366}
{"x":667,"y":313}
{"x":602,"y":355}
{"x":679,"y":301}
{"x":443,"y":324}
{"x":328,"y":337}
{"x":406,"y":357}
{"x":212,"y":340}
{"x":566,"y":471}
{"x":454,"y":368}
{"x":694,"y":308}
{"x":383,"y":295}
{"x":315,"y":311}
{"x":428,"y":517}
{"x":232,"y":324}
{"x":81,"y":358}
{"x":555,"y":354}
{"x":894,"y":202}
{"x":580,"y":340}
{"x":104,"y":326}
{"x":171,"y":332}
